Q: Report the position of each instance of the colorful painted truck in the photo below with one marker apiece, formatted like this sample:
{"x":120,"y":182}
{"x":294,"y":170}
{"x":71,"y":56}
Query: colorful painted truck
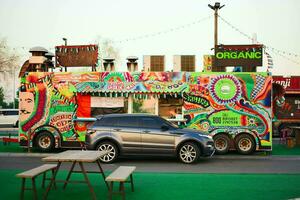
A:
{"x":235,"y":108}
{"x":287,"y":111}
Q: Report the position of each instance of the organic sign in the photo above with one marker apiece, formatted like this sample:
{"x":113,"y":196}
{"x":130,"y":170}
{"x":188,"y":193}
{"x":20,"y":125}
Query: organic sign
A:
{"x":238,"y":55}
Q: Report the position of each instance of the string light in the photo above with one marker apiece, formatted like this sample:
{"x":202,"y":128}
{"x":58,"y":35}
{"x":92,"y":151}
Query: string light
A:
{"x":163,"y":32}
{"x":278,"y":53}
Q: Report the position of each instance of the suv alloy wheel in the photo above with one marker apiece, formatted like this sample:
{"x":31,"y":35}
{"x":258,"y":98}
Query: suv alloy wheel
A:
{"x":189,"y":152}
{"x":111,"y":149}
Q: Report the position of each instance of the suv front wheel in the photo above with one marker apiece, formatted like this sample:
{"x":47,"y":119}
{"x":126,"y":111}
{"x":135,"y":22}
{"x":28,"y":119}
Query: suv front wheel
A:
{"x":189,"y":153}
{"x":111,"y":149}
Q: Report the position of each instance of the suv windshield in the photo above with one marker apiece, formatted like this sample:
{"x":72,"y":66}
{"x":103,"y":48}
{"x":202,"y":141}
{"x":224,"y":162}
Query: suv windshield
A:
{"x":169,"y":123}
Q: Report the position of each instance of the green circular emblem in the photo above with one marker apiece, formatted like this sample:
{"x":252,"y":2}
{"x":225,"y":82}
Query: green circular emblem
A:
{"x":225,"y":89}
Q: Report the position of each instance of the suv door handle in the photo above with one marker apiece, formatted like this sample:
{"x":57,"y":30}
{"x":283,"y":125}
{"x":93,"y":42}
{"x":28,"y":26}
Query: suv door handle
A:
{"x":117,"y":129}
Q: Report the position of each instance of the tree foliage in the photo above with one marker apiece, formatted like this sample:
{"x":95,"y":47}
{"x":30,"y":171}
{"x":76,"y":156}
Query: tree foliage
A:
{"x":8,"y":59}
{"x":107,"y":50}
{"x":1,"y":96}
{"x":9,"y":68}
{"x":4,"y":104}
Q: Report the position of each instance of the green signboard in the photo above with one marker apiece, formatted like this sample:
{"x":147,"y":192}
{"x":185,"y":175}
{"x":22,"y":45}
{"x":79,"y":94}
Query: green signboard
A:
{"x":238,"y":55}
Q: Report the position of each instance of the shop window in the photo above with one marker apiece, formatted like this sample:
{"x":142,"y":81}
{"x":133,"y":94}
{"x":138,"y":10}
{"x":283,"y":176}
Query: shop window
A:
{"x":170,"y":107}
{"x":108,"y":105}
{"x":147,"y":105}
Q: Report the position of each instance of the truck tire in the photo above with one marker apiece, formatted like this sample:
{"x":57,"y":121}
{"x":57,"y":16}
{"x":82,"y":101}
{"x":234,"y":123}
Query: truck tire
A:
{"x":245,"y":144}
{"x":44,"y":141}
{"x":222,"y":143}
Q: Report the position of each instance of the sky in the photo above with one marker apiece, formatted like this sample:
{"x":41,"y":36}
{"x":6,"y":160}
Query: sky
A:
{"x":28,"y":23}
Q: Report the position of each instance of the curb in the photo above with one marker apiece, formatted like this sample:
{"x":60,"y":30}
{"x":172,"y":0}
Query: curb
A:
{"x":38,"y":155}
{"x":256,"y":157}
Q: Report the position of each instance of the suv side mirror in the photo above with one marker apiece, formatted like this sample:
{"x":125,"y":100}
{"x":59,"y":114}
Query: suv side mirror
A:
{"x":164,"y":128}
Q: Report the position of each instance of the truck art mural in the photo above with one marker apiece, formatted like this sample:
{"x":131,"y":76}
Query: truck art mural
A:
{"x":235,"y":108}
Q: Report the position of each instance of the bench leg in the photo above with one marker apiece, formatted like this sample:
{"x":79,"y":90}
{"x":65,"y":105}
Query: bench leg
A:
{"x":102,"y":172}
{"x":52,"y":180}
{"x":111,"y":187}
{"x":122,"y":190}
{"x":22,"y":189}
{"x":69,"y":174}
{"x":34,"y":188}
{"x":131,"y":182}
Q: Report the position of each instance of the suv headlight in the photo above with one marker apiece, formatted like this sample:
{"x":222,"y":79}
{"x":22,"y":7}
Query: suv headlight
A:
{"x":206,"y":136}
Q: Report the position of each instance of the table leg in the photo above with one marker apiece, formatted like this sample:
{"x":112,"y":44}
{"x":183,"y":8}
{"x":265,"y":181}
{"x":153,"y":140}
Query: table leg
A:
{"x":23,"y":189}
{"x":87,"y":180}
{"x":102,"y":172}
{"x":34,"y":188}
{"x":52,"y":180}
{"x":69,"y":174}
{"x":131,"y":181}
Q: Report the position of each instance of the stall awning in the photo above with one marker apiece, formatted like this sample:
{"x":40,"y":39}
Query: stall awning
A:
{"x":154,"y":87}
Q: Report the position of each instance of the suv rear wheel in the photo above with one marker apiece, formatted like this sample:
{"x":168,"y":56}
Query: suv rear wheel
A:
{"x":189,"y":153}
{"x":111,"y":149}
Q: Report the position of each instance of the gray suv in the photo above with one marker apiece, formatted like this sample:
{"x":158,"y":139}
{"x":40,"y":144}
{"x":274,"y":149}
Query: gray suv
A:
{"x":143,"y":134}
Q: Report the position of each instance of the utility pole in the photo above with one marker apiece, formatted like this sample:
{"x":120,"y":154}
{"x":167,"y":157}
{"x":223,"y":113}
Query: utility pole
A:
{"x":65,"y":39}
{"x":216,"y":8}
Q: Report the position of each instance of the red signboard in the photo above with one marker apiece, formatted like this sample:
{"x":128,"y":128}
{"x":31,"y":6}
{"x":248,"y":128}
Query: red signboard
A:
{"x":290,"y":84}
{"x":80,"y":55}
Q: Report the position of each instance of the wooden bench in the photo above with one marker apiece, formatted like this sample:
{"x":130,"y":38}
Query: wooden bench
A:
{"x":120,"y":175}
{"x":32,"y":174}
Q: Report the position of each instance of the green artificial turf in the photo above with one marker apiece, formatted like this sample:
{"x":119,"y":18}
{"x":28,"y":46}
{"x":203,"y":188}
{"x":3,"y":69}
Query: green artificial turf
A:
{"x":11,"y":147}
{"x":281,"y":149}
{"x":175,"y":186}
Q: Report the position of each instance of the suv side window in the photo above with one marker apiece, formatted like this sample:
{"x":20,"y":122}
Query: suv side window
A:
{"x":150,"y":122}
{"x":131,"y":122}
{"x":107,"y":121}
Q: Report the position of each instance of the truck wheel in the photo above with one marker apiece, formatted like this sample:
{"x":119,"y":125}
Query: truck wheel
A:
{"x":245,"y":144}
{"x":111,"y":149}
{"x":189,"y":153}
{"x":44,"y":141}
{"x":222,"y":143}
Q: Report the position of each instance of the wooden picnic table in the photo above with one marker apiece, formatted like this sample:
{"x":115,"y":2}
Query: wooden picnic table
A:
{"x":80,"y":157}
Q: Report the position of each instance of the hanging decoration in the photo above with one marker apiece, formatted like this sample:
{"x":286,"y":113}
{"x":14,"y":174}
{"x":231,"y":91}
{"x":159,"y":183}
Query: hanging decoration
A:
{"x":269,"y":60}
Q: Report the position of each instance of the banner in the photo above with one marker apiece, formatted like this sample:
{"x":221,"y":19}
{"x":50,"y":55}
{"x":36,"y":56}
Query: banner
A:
{"x":107,"y":102}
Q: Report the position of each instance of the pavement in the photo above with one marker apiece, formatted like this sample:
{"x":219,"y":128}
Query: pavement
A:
{"x":228,"y":156}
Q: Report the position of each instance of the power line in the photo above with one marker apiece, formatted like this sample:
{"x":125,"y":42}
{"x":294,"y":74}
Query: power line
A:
{"x":276,"y":51}
{"x":173,"y":29}
{"x":177,"y":28}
